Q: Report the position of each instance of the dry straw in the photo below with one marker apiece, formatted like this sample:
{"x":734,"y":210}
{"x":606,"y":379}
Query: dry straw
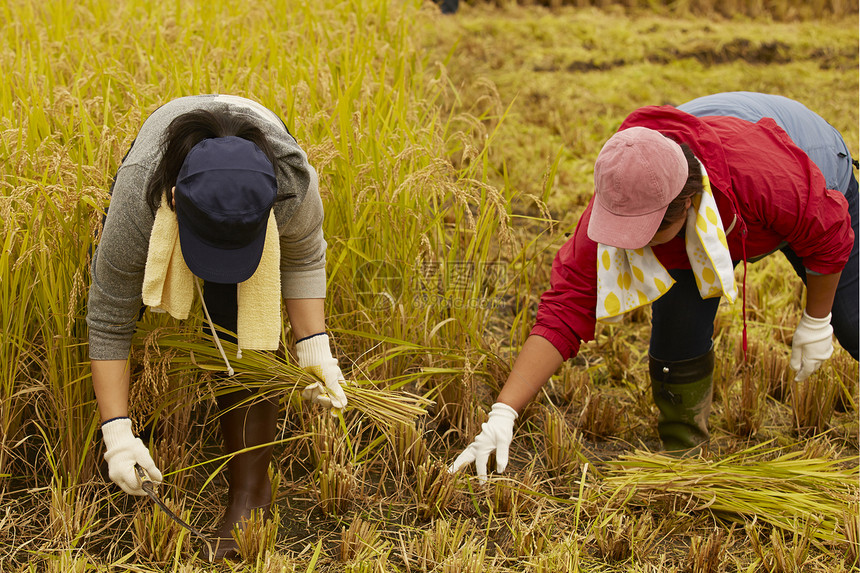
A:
{"x":278,"y":374}
{"x":774,"y":486}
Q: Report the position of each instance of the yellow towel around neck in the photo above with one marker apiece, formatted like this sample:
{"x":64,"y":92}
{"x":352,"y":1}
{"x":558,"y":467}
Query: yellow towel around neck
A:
{"x":168,"y":283}
{"x":627,"y":278}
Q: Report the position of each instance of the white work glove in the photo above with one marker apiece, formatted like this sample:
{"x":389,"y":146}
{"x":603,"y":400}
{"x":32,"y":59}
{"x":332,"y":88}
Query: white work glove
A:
{"x":496,"y":434}
{"x":124,"y":450}
{"x":315,"y":357}
{"x":812,"y":344}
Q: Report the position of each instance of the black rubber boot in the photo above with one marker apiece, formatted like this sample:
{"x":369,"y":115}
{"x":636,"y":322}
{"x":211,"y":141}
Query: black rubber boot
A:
{"x":244,"y":426}
{"x":682,"y":392}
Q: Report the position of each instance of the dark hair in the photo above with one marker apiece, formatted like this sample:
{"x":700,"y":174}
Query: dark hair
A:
{"x":189,"y":129}
{"x":678,"y":207}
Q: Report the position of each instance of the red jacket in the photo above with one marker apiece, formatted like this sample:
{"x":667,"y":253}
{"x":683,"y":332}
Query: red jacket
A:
{"x":768,"y":192}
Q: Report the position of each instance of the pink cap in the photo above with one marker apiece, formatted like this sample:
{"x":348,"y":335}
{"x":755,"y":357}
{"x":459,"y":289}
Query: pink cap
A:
{"x":637,"y":174}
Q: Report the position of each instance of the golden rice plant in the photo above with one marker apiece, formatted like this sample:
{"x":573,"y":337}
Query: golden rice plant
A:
{"x":427,"y":548}
{"x":619,"y":355}
{"x":163,"y":399}
{"x":338,"y":487}
{"x":408,"y":182}
{"x":600,"y":416}
{"x":562,"y":445}
{"x":73,"y":513}
{"x":777,"y":486}
{"x":278,"y":374}
{"x":619,"y":535}
{"x":571,"y":385}
{"x":433,"y":488}
{"x":16,"y":329}
{"x":274,"y":562}
{"x":457,"y":402}
{"x":566,"y":555}
{"x":328,"y":444}
{"x":188,"y":568}
{"x":851,"y":525}
{"x":371,"y":566}
{"x":451,"y":547}
{"x":65,"y":417}
{"x":775,"y":373}
{"x":813,"y":401}
{"x":786,"y":552}
{"x":844,"y":370}
{"x":173,"y":458}
{"x":533,"y":536}
{"x":613,"y":536}
{"x":745,"y":408}
{"x":156,"y":536}
{"x":512,"y":495}
{"x":470,"y":559}
{"x":362,"y":546}
{"x":258,"y":537}
{"x":410,"y":449}
{"x":338,"y":484}
{"x":706,"y":554}
{"x":63,"y":562}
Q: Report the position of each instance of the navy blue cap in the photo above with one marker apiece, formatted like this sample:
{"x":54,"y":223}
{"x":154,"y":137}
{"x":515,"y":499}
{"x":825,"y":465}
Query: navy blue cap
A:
{"x":224,"y":193}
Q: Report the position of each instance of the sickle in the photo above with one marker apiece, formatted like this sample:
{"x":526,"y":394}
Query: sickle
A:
{"x":148,"y":486}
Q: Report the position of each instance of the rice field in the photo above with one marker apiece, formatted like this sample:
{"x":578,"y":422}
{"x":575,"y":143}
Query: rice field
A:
{"x":455,"y":154}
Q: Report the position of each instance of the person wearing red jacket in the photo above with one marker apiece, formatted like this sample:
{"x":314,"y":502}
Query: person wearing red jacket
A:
{"x":680,"y":199}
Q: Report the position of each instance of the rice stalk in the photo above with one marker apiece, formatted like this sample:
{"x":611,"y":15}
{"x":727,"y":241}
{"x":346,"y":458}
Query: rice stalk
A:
{"x":173,"y":458}
{"x":600,"y":417}
{"x":257,"y":539}
{"x":64,"y":562}
{"x":571,"y":386}
{"x":73,"y":514}
{"x":773,"y":485}
{"x":844,"y":371}
{"x":563,"y":556}
{"x":562,"y":445}
{"x":509,"y":496}
{"x":433,"y":489}
{"x":338,"y":487}
{"x":16,"y":338}
{"x":613,"y":537}
{"x":329,"y":444}
{"x":156,"y":535}
{"x":531,"y":537}
{"x":781,"y":555}
{"x":429,"y":548}
{"x":273,"y":562}
{"x":745,"y":413}
{"x":362,"y":545}
{"x":383,"y":407}
{"x":706,"y":554}
{"x":851,"y":525}
{"x":410,"y":449}
{"x":813,"y":401}
{"x":281,"y":375}
{"x":469,"y":559}
{"x":408,"y":178}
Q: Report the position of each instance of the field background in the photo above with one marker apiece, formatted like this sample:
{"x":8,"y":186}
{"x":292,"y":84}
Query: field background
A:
{"x":455,"y":153}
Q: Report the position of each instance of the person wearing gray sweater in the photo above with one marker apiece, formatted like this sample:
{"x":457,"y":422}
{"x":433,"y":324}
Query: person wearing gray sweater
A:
{"x":221,"y":165}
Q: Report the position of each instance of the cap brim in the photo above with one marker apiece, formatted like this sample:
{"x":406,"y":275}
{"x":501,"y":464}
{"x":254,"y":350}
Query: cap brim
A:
{"x":219,"y":265}
{"x":623,"y":232}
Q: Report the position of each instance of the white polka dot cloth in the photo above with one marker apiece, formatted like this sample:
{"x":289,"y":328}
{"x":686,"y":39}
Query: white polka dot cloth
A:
{"x":628,"y":279}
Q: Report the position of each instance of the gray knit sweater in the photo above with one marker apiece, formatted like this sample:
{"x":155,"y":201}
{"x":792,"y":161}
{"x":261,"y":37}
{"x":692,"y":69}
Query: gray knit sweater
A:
{"x":120,"y":259}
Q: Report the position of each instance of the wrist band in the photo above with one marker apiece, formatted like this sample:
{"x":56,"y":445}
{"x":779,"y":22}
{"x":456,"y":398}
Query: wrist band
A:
{"x":311,"y":336}
{"x":114,"y":419}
